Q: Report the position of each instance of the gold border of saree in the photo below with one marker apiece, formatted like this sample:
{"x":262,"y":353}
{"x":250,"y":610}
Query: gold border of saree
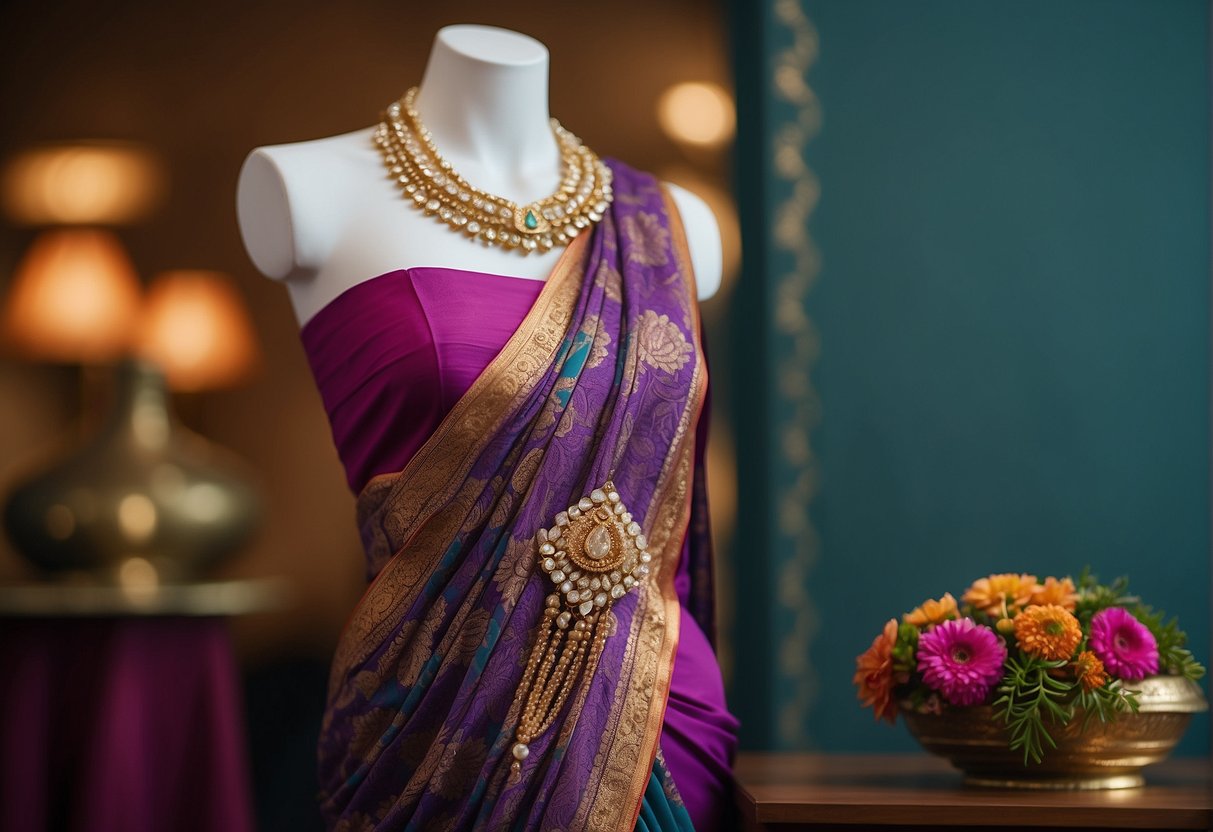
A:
{"x":436,"y":475}
{"x":624,"y":762}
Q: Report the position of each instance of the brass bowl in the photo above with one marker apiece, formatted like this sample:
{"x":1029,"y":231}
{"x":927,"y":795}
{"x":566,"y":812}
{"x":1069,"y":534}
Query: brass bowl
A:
{"x":1104,"y":756}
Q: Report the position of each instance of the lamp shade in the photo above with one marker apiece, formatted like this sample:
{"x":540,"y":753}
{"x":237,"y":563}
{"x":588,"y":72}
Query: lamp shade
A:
{"x":196,"y":329}
{"x":93,"y":183}
{"x":75,"y":297}
{"x":697,"y":113}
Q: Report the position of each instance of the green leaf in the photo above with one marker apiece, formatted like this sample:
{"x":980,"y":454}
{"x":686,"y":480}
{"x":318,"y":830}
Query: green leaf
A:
{"x":1173,"y":657}
{"x":1031,"y":699}
{"x":1094,"y":596}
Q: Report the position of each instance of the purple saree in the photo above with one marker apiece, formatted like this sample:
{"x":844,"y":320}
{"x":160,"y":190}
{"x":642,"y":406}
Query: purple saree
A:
{"x":603,"y":380}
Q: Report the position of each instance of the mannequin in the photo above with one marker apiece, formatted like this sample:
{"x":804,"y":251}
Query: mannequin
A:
{"x":404,"y":321}
{"x":322,"y":216}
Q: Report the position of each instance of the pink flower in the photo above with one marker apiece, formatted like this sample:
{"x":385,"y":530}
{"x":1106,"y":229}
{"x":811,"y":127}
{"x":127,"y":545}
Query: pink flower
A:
{"x":1125,"y":645}
{"x":962,"y":660}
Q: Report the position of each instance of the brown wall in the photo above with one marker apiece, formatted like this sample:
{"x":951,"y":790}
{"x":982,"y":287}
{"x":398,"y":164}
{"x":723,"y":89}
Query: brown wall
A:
{"x":204,"y":83}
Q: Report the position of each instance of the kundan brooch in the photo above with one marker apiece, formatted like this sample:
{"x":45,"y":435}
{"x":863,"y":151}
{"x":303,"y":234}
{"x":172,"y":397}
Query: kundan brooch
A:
{"x":594,"y":553}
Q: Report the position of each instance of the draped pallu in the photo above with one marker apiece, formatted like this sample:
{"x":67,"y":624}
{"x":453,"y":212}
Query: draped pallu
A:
{"x":604,"y":380}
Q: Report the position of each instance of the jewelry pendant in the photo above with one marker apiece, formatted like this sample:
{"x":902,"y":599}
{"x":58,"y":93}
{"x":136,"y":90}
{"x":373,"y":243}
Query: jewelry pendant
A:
{"x":594,"y":554}
{"x":429,"y":182}
{"x":529,"y":219}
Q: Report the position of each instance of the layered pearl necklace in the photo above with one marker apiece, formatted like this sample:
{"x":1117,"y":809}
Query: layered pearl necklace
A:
{"x":428,"y":180}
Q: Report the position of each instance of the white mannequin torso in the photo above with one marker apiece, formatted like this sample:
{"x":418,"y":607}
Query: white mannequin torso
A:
{"x":322,"y":216}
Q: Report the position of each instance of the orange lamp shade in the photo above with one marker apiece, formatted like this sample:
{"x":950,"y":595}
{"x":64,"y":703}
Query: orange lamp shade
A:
{"x":90,"y":183}
{"x":196,"y":329}
{"x":75,"y":298}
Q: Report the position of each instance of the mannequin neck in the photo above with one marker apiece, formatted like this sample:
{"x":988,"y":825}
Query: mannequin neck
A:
{"x":484,"y":99}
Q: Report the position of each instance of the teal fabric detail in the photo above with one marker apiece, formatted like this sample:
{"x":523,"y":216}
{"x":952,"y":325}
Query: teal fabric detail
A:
{"x":661,"y":810}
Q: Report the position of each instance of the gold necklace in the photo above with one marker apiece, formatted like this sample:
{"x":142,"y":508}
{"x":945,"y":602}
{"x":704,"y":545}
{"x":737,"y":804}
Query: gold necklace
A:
{"x":429,"y":181}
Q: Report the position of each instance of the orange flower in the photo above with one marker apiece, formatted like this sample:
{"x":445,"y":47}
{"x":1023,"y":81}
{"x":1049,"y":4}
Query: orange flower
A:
{"x":1052,"y":591}
{"x":999,"y":594}
{"x":932,"y":612}
{"x":1047,"y":631}
{"x":1089,"y":670}
{"x":874,"y":674}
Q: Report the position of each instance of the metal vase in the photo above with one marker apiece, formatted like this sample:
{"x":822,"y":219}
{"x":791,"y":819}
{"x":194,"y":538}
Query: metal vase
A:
{"x":1104,"y":756}
{"x":145,"y":490}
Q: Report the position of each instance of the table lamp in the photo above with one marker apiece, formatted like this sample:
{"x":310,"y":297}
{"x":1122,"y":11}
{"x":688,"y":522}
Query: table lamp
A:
{"x":145,"y":500}
{"x":75,"y":298}
{"x":194,"y":327}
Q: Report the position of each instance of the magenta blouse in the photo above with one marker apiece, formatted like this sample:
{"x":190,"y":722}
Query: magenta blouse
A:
{"x":391,"y":356}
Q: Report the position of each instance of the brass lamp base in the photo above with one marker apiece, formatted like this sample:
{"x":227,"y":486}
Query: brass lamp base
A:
{"x":145,"y":495}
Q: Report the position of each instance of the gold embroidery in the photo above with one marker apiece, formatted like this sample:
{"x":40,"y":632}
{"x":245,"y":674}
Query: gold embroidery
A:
{"x":385,"y":806}
{"x":552,"y":408}
{"x":609,"y":280}
{"x":624,"y":759}
{"x":667,"y":782}
{"x":412,"y":747}
{"x":366,"y":683}
{"x":425,"y":635}
{"x":357,"y":822}
{"x":368,"y":728}
{"x":502,"y":511}
{"x":649,"y":240}
{"x":525,"y":470}
{"x":641,"y":196}
{"x":407,"y":576}
{"x":598,"y":350}
{"x":568,"y":420}
{"x":470,"y":637}
{"x":424,"y":770}
{"x":458,"y":767}
{"x":661,"y":343}
{"x":512,"y":572}
{"x":386,"y":666}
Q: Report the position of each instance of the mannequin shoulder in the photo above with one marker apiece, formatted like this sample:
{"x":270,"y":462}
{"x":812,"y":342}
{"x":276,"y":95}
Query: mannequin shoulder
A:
{"x":703,"y":239}
{"x":287,"y":196}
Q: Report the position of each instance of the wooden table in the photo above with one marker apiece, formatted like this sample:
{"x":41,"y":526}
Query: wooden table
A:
{"x":914,"y":793}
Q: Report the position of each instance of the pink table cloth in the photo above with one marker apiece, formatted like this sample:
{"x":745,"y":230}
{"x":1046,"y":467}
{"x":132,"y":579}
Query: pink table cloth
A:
{"x":121,"y":725}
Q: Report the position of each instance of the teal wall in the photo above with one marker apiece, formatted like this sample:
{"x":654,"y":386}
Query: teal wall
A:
{"x":1008,"y":326}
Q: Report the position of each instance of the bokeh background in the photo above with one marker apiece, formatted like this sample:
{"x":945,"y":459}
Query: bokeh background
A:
{"x":200,"y":85}
{"x":968,"y":331}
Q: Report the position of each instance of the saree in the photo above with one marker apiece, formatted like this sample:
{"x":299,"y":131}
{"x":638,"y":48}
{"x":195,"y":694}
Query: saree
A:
{"x":604,"y":381}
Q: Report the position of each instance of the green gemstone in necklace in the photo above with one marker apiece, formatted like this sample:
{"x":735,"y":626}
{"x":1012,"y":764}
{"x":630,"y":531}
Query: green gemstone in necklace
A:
{"x":531,"y":221}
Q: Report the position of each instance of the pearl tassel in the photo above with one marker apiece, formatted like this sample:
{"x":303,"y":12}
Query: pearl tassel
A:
{"x":547,"y":681}
{"x":594,"y":554}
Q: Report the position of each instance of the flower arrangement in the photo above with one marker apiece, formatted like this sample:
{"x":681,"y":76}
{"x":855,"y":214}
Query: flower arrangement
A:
{"x":1042,"y":654}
